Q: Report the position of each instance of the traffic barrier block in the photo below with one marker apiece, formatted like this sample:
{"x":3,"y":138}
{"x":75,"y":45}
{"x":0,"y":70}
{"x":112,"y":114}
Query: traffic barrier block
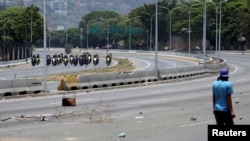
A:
{"x":20,"y":86}
{"x":71,"y":82}
{"x":115,"y":79}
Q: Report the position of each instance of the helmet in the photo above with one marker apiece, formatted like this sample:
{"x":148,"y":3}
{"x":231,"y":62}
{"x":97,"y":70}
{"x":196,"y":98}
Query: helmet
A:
{"x":224,"y":72}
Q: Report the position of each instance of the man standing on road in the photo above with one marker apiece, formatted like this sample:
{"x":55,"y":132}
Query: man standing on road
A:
{"x":222,"y":101}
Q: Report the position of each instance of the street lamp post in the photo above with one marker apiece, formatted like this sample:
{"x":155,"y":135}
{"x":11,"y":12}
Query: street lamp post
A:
{"x":130,"y":30}
{"x":204,"y":30}
{"x":66,"y":36}
{"x":49,"y":37}
{"x":150,"y":38}
{"x":189,"y":26}
{"x":216,"y":13}
{"x":170,"y":24}
{"x":4,"y":37}
{"x":87,"y":31}
{"x":44,"y":44}
{"x":108,"y":34}
{"x":147,"y":38}
{"x":220,"y":4}
{"x":204,"y":27}
{"x":156,"y":41}
{"x":81,"y":38}
{"x":189,"y":11}
{"x":170,"y":32}
{"x":108,"y":23}
{"x":216,"y":27}
{"x":151,"y":16}
{"x":31,"y":27}
{"x":31,"y":24}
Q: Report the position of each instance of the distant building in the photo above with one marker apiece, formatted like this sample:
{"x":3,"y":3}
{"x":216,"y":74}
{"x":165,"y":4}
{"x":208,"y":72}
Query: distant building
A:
{"x":59,"y":6}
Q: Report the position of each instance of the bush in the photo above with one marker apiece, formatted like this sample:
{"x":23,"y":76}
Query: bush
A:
{"x":68,"y":48}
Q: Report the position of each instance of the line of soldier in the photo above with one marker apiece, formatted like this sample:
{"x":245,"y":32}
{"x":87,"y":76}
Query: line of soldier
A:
{"x":84,"y":59}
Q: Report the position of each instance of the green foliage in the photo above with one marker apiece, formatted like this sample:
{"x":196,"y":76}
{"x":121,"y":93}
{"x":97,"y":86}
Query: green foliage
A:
{"x":99,"y":18}
{"x":73,"y":36}
{"x":68,"y":48}
{"x":234,"y":21}
{"x":16,"y":24}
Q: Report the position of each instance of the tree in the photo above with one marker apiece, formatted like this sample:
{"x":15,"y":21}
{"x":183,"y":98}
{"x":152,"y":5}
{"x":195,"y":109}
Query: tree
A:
{"x":234,"y":20}
{"x":35,"y":22}
{"x":98,"y":18}
{"x":16,"y":23}
{"x":74,"y":37}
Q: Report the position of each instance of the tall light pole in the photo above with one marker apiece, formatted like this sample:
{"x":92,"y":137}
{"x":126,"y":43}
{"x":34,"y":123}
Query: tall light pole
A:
{"x":170,"y":24}
{"x":66,"y":35}
{"x":87,"y":31}
{"x":216,"y":27}
{"x":151,"y":16}
{"x":31,"y":27}
{"x":204,"y":30}
{"x":156,"y":40}
{"x":220,"y":4}
{"x":216,"y":32}
{"x":189,"y":11}
{"x":81,"y":38}
{"x":44,"y":45}
{"x":108,"y":34}
{"x":150,"y":38}
{"x":147,"y":38}
{"x":130,"y":30}
{"x":4,"y":37}
{"x":170,"y":32}
{"x":189,"y":18}
{"x":108,"y":22}
{"x":49,"y":37}
{"x":31,"y":7}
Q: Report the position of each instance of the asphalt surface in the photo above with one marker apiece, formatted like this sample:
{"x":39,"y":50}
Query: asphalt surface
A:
{"x":183,"y":118}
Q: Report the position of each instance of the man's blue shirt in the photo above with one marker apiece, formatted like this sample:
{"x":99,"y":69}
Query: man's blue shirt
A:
{"x":220,"y":90}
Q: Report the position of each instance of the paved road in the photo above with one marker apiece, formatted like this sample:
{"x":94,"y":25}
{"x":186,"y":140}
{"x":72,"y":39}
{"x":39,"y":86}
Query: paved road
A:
{"x":177,"y":111}
{"x":143,"y":62}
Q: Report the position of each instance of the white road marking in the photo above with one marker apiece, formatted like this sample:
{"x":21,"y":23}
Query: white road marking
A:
{"x":138,"y":117}
{"x":197,"y":123}
{"x":149,"y":101}
{"x":147,"y":66}
{"x":154,"y":92}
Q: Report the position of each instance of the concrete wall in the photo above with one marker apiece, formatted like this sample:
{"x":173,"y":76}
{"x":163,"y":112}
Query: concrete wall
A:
{"x":20,"y":87}
{"x":116,"y":79}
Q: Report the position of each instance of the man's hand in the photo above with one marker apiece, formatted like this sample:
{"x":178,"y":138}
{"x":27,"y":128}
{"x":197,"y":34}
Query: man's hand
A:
{"x":233,"y":114}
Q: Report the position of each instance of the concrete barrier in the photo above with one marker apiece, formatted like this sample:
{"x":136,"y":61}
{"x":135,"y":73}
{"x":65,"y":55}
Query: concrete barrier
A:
{"x":101,"y":80}
{"x":116,"y":79}
{"x":174,"y":73}
{"x":69,"y":82}
{"x":20,"y":87}
{"x":212,"y":68}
